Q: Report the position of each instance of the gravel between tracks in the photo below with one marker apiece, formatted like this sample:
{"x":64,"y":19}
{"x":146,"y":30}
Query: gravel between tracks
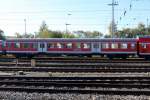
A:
{"x":57,"y":74}
{"x":6,"y":95}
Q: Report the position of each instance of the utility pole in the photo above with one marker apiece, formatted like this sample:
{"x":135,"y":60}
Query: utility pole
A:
{"x":147,"y":25}
{"x":113,"y":19}
{"x":67,"y":23}
{"x":25,"y":26}
{"x":67,"y":27}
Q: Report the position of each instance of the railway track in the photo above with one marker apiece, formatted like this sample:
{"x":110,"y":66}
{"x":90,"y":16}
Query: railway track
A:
{"x":74,"y":70}
{"x":76,"y":63}
{"x":69,"y":66}
{"x":89,"y":61}
{"x":81,"y":85}
{"x":106,"y":66}
{"x":83,"y":65}
{"x":110,"y":78}
{"x":123,"y":85}
{"x":77,"y":60}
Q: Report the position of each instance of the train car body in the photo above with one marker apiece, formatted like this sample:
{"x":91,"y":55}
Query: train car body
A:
{"x":144,"y":47}
{"x":2,"y":47}
{"x":121,"y":48}
{"x":88,"y":47}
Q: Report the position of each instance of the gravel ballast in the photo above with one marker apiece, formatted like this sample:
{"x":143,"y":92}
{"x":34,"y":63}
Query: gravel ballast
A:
{"x":7,"y":95}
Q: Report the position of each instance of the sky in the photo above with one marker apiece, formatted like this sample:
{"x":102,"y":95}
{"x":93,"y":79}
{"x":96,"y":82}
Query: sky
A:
{"x":87,"y":15}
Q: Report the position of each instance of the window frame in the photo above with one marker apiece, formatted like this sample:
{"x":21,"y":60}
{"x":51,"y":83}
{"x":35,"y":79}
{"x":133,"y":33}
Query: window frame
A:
{"x":17,"y":45}
{"x":114,"y":46}
{"x":124,"y":45}
{"x":9,"y":44}
{"x":50,"y":45}
{"x":78,"y":45}
{"x":69,"y":45}
{"x":144,"y":45}
{"x":88,"y":45}
{"x":35,"y":45}
{"x":61,"y":45}
{"x":26,"y":45}
{"x":131,"y":45}
{"x":105,"y":45}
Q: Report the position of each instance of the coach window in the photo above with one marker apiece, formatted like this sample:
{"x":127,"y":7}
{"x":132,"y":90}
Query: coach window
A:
{"x":60,"y":45}
{"x":86,"y":45}
{"x":105,"y":45}
{"x":132,"y":46}
{"x":35,"y":45}
{"x":143,"y":45}
{"x":26,"y":45}
{"x":3,"y":44}
{"x":17,"y":45}
{"x":123,"y":46}
{"x":78,"y":45}
{"x":114,"y":45}
{"x":50,"y":45}
{"x":69,"y":45}
{"x":42,"y":45}
{"x":9,"y":45}
{"x":95,"y":45}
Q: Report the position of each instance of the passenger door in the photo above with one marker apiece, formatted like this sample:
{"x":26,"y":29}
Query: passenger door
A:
{"x":42,"y":47}
{"x":96,"y":47}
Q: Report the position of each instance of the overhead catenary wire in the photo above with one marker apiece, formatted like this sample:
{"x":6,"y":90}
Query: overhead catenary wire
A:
{"x":73,"y":11}
{"x":127,"y":10}
{"x":83,"y":15}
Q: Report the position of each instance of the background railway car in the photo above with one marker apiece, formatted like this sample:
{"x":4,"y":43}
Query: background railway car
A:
{"x":121,"y":48}
{"x":2,"y":47}
{"x":144,"y":47}
{"x":32,"y":47}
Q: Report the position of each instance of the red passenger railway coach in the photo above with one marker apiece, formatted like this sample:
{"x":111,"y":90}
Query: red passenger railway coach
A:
{"x":110,"y":47}
{"x":144,"y":47}
{"x":119,"y":47}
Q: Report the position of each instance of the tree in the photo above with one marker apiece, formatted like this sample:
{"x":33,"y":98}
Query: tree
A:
{"x":96,"y":34}
{"x":141,"y":27}
{"x":2,"y":36}
{"x":29,"y":35}
{"x":140,"y":30}
{"x":64,"y":35}
{"x":79,"y":34}
{"x":148,"y":28}
{"x":107,"y":36}
{"x":43,"y":31}
{"x":55,"y":34}
{"x":18,"y":35}
{"x":89,"y":34}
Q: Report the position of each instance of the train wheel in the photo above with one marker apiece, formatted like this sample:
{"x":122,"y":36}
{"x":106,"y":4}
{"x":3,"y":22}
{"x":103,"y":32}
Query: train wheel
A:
{"x":30,"y":56}
{"x":90,"y":56}
{"x":124,"y":57}
{"x":110,"y":57}
{"x":147,"y":58}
